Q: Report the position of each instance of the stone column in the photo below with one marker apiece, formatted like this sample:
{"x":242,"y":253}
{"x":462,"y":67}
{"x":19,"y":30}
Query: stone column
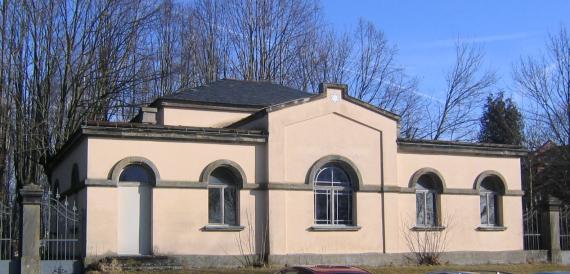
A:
{"x":550,"y":218}
{"x":30,"y":229}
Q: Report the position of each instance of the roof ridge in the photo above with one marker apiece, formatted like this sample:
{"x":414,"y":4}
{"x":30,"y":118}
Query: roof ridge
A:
{"x":245,"y":80}
{"x":237,"y":92}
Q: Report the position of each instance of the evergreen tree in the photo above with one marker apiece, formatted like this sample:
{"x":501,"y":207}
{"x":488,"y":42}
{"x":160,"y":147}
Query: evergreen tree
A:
{"x":501,"y":122}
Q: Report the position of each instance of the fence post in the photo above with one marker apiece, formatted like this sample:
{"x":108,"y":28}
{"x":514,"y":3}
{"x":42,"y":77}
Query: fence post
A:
{"x":30,"y":228}
{"x":551,"y":228}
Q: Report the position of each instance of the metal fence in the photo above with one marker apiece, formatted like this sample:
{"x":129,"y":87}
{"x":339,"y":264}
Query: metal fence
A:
{"x":8,"y":239}
{"x":565,"y":227}
{"x":531,"y":228}
{"x":60,"y":222}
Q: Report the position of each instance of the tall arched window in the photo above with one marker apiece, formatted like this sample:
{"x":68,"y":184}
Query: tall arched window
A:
{"x":490,"y":197}
{"x":427,"y":200}
{"x":222,"y":197}
{"x":333,"y":196}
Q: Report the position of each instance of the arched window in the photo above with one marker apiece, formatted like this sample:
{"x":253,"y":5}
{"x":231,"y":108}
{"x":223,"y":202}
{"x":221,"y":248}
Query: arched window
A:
{"x":428,"y":188}
{"x":490,"y":198}
{"x":222,"y":197}
{"x":333,"y":196}
{"x":137,"y":173}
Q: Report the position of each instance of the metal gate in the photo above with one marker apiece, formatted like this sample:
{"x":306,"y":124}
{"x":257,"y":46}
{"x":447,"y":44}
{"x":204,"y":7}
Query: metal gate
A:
{"x":565,"y":227}
{"x":60,"y":249}
{"x":532,"y":228}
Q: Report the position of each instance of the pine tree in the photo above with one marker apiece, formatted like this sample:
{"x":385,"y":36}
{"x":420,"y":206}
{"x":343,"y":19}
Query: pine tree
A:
{"x":501,"y":122}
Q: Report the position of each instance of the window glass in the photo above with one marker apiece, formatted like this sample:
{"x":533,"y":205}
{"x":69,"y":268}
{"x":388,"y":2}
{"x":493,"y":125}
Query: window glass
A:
{"x":430,"y":209}
{"x":136,"y":173}
{"x":340,"y":177}
{"x":491,"y":184}
{"x":324,"y":176}
{"x":230,"y":205}
{"x":214,"y":206}
{"x":426,"y":200}
{"x":222,"y":197}
{"x":483,"y":203}
{"x":333,"y":196}
{"x":344,"y":209}
{"x":489,"y":192}
{"x":492,"y":214}
{"x":489,"y":201}
{"x":221,"y":176}
{"x":322,"y":205}
{"x":420,"y":208}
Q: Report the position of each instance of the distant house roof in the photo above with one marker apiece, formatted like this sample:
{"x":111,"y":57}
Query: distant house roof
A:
{"x":238,"y":93}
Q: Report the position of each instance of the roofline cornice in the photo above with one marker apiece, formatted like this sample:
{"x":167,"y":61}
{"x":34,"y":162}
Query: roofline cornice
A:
{"x":133,"y":131}
{"x":322,"y":94}
{"x":459,"y":148}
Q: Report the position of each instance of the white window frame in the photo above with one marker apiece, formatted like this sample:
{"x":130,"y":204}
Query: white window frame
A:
{"x":485,"y":194}
{"x":425,"y":193}
{"x":221,"y":188}
{"x":333,"y":192}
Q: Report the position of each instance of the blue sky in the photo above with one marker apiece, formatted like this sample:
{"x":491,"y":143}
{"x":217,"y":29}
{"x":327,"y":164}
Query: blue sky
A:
{"x":426,"y":31}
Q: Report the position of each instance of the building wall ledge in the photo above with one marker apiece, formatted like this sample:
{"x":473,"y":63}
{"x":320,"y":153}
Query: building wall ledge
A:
{"x":289,"y":187}
{"x":334,"y":228}
{"x":459,"y":148}
{"x":427,"y":228}
{"x":223,"y":228}
{"x":491,"y":228}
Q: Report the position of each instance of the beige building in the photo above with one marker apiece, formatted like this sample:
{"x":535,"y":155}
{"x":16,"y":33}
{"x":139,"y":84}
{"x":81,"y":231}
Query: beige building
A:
{"x":234,"y":168}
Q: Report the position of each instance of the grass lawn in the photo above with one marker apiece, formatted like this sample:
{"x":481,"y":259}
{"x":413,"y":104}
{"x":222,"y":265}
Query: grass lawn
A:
{"x":520,"y":268}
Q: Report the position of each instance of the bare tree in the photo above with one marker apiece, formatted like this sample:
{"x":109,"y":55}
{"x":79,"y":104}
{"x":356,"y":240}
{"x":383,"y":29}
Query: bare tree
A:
{"x":252,"y":246}
{"x":324,"y":58}
{"x":209,"y":31}
{"x":265,"y":36}
{"x":374,"y":66}
{"x":4,"y":99}
{"x":64,"y":62}
{"x":467,"y":85}
{"x":427,"y":245}
{"x":545,"y":81}
{"x":378,"y":80}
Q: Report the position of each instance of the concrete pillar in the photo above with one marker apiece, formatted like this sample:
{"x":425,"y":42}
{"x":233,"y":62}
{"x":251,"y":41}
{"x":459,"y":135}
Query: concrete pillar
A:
{"x":550,"y":218}
{"x":30,"y":229}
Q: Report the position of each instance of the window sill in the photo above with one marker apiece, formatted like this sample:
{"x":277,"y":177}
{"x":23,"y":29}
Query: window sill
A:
{"x":491,"y":228}
{"x":229,"y":228}
{"x":334,"y":228}
{"x":428,"y":228}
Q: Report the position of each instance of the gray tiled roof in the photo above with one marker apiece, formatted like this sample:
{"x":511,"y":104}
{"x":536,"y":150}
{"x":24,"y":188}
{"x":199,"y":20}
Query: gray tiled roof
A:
{"x":239,"y":93}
